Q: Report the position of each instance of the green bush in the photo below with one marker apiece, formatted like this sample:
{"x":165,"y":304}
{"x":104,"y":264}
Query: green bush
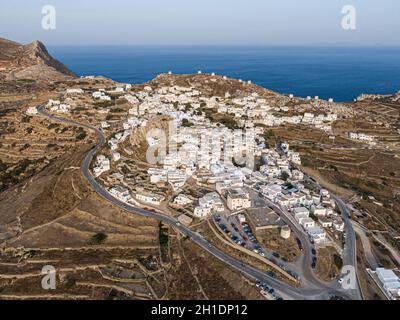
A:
{"x":98,"y":238}
{"x":163,"y":235}
{"x":81,"y":136}
{"x":186,"y":123}
{"x":337,"y":260}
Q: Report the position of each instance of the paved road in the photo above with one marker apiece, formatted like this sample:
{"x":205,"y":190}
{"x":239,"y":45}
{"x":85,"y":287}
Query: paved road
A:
{"x":283,"y":289}
{"x":350,"y":249}
{"x":349,"y":253}
{"x":308,"y":277}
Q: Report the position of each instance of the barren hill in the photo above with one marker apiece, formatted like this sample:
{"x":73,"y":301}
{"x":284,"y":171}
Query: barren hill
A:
{"x":30,"y":62}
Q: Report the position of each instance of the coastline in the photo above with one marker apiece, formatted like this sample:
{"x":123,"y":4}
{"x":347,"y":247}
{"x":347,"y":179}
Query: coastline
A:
{"x":328,"y":72}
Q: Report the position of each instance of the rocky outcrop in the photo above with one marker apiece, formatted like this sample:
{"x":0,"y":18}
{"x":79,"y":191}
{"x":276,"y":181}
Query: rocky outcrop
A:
{"x":378,"y":97}
{"x":30,"y":62}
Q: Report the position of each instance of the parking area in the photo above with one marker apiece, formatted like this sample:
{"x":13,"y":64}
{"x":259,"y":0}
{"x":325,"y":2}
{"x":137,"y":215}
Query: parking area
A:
{"x":268,"y":292}
{"x":241,"y":233}
{"x":231,"y":229}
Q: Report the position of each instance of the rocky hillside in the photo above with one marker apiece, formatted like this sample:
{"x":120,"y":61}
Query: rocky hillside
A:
{"x":380,"y":97}
{"x":30,"y":62}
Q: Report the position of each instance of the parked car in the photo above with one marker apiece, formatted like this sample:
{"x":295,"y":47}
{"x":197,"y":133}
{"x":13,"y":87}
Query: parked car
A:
{"x":314,"y":262}
{"x":299,"y":244}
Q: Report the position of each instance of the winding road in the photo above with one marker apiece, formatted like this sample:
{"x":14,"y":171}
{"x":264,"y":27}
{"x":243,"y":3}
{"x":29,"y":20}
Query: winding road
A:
{"x":349,"y":254}
{"x":311,"y":288}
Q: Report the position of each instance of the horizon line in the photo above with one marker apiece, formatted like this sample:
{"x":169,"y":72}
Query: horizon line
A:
{"x":321,"y":45}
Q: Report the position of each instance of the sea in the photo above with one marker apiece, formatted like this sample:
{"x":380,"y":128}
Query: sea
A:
{"x":341,"y":73}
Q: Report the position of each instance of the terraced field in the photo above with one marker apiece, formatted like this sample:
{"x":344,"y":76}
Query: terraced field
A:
{"x":367,"y":175}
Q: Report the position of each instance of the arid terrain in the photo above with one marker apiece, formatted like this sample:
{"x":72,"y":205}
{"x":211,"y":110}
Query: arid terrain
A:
{"x":50,"y":215}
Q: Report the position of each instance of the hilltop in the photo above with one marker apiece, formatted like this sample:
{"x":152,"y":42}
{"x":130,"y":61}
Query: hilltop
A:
{"x":30,"y":62}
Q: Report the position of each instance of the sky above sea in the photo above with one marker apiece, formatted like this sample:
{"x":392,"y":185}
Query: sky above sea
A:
{"x":202,"y":22}
{"x":341,"y":73}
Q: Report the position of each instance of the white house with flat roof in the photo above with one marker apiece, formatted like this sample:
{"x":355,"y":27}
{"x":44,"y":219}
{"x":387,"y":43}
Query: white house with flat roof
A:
{"x":211,"y":201}
{"x":238,"y":199}
{"x":272,"y":192}
{"x":74,"y":91}
{"x":61,"y":108}
{"x":201,"y":212}
{"x":295,"y":157}
{"x":116,"y":156}
{"x":102,"y":165}
{"x":121,"y":193}
{"x":105,"y":125}
{"x":297,"y":175}
{"x":307,"y":223}
{"x":182,"y":200}
{"x":390,"y":282}
{"x":301,"y":210}
{"x":31,"y":111}
{"x":338,"y":224}
{"x":361,"y":136}
{"x":318,"y":211}
{"x":150,"y":198}
{"x":317,"y":234}
{"x":324,"y":193}
{"x":325,"y":222}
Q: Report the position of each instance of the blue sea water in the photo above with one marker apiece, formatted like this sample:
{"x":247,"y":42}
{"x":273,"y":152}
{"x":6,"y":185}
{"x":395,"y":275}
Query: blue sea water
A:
{"x":338,"y":72}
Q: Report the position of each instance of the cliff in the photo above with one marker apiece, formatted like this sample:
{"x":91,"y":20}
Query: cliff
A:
{"x":30,"y":62}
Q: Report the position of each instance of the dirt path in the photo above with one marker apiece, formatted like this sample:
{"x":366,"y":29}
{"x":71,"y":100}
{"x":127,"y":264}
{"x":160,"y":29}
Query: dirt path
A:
{"x":366,"y":246}
{"x":383,"y":242}
{"x":366,"y":161}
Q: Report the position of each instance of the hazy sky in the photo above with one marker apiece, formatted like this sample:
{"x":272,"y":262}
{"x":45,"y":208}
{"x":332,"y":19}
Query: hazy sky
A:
{"x":202,"y":22}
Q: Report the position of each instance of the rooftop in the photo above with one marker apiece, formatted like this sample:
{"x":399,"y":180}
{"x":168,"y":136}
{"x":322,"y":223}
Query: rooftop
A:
{"x":263,"y":218}
{"x":237,"y":193}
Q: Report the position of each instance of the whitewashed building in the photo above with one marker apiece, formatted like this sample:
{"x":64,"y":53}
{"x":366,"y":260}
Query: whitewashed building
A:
{"x":238,"y":199}
{"x":146,"y":197}
{"x":121,"y":193}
